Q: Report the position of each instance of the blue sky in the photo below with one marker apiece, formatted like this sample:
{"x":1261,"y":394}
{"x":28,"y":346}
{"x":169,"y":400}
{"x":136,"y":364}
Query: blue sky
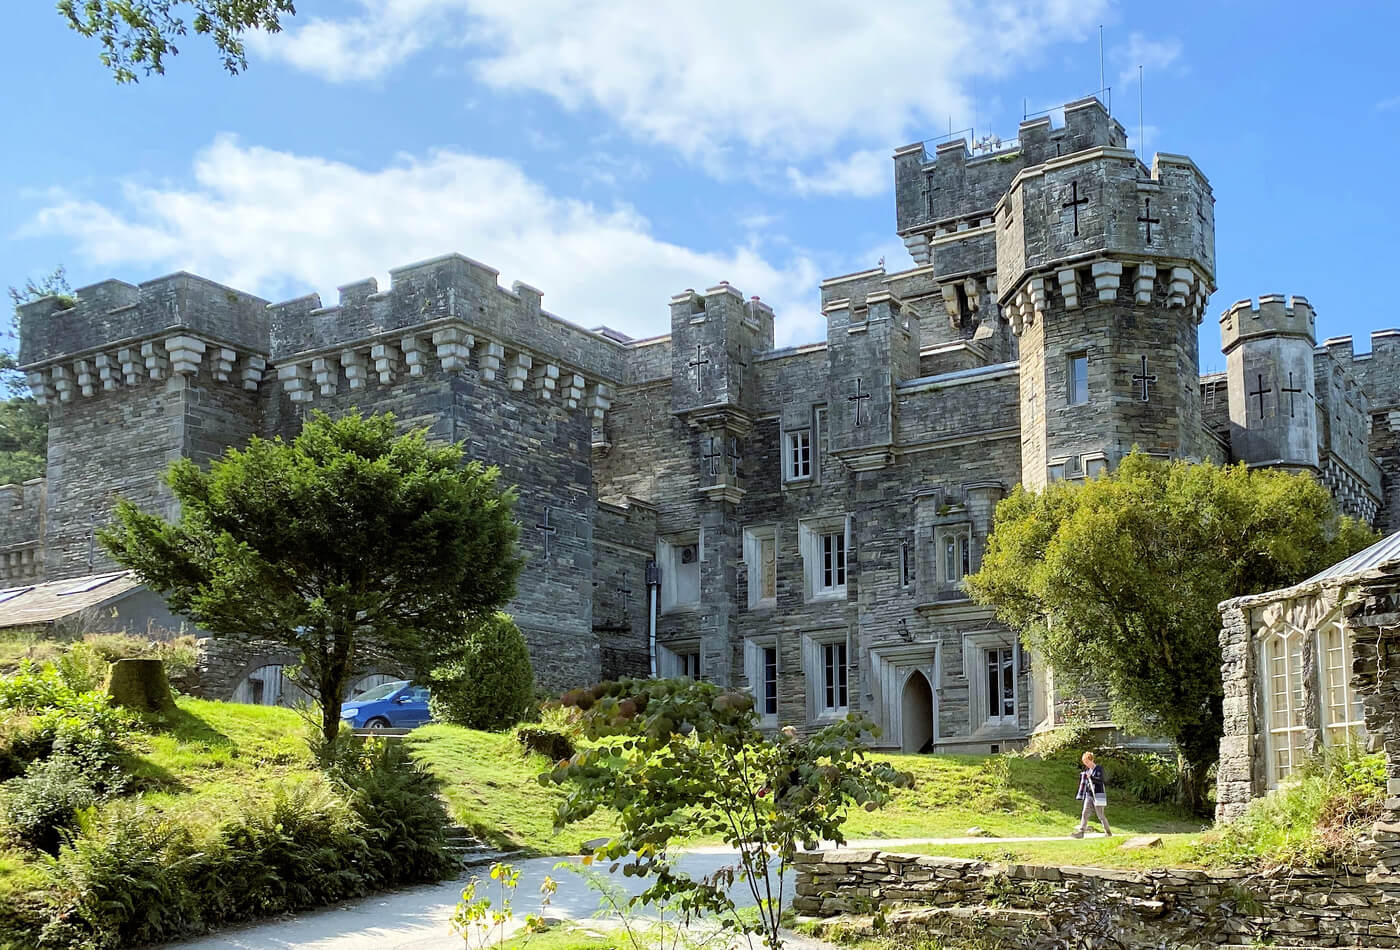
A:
{"x":613,"y":153}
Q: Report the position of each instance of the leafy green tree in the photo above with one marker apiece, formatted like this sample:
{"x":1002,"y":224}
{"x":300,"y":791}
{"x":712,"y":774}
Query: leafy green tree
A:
{"x":484,"y":680}
{"x":1116,"y":582}
{"x":140,"y":34}
{"x":350,"y":545}
{"x":24,"y":424}
{"x":675,"y":758}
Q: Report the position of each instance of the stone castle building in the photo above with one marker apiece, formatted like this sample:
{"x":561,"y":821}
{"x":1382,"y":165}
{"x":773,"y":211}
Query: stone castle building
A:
{"x":796,"y":521}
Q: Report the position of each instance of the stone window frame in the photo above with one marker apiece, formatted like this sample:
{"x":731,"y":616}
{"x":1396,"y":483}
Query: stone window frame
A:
{"x":810,"y":533}
{"x":754,"y":538}
{"x":755,"y":670}
{"x":1074,"y":381}
{"x":908,"y":564}
{"x":814,"y":644}
{"x":961,"y":530}
{"x":668,"y":555}
{"x":792,"y":455}
{"x":975,"y":647}
{"x":680,"y":659}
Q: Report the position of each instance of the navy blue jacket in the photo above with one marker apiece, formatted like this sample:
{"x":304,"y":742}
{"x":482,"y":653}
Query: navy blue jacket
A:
{"x":1094,"y":776}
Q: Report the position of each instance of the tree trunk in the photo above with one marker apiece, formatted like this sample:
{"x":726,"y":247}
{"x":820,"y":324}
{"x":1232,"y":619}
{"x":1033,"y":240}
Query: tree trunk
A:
{"x":1191,"y":784}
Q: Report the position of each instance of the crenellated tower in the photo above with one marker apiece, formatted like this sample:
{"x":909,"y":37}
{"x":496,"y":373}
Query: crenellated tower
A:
{"x":1270,"y":371}
{"x":1104,"y":269}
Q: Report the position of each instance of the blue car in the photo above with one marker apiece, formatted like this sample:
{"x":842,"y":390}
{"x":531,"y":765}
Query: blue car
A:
{"x":396,"y":705}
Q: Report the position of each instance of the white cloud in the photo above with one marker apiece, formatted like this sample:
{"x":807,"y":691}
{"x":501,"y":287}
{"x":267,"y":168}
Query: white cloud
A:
{"x":1385,"y":105}
{"x":281,"y":224}
{"x":1149,"y":54}
{"x":790,"y":78}
{"x":862,"y":174}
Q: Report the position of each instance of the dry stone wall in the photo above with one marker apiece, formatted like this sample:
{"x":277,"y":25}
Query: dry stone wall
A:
{"x":1031,"y":907}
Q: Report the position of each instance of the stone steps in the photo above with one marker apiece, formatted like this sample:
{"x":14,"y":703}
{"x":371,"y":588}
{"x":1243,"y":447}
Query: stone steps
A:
{"x":471,"y":851}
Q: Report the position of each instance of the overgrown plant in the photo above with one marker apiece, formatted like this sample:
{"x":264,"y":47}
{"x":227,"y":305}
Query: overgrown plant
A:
{"x":675,"y":758}
{"x":481,"y":921}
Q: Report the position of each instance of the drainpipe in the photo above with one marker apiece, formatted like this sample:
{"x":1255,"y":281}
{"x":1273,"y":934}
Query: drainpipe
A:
{"x":653,"y":592}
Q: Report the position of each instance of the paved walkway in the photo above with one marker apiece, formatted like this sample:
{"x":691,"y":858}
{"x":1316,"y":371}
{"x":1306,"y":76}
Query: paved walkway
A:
{"x":417,"y":918}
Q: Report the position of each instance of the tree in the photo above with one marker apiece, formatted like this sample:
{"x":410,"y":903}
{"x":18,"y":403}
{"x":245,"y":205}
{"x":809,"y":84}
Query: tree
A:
{"x":675,"y":758}
{"x":349,"y":545}
{"x":484,"y":681}
{"x":24,"y":424}
{"x":141,"y":33}
{"x":1116,"y":582}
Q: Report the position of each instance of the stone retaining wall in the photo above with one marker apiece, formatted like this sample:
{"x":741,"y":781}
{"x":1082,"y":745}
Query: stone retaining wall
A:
{"x":1027,"y":906}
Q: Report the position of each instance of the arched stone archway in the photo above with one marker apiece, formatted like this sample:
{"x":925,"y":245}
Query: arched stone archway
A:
{"x":916,"y":713}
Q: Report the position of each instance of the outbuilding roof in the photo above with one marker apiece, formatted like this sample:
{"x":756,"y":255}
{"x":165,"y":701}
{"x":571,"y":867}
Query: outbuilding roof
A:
{"x":1384,"y":552}
{"x":38,"y":604}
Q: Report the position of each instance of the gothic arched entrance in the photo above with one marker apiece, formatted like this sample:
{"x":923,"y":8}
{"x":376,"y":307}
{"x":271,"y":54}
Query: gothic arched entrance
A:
{"x":916,"y":713}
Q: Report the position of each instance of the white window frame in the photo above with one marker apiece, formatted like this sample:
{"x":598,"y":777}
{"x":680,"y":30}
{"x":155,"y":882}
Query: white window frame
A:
{"x":797,"y":455}
{"x":755,"y":671}
{"x":1074,"y":381}
{"x":754,"y":540}
{"x":1003,"y":655}
{"x":1285,"y":723}
{"x":679,"y":661}
{"x":814,"y":656}
{"x":814,"y":560}
{"x":1343,"y":714}
{"x":668,"y":554}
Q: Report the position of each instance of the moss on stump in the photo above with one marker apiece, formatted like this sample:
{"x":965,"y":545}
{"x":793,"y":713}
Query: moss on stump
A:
{"x":140,"y":685}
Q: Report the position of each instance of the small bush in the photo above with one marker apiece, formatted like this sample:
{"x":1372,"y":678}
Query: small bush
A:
{"x":397,"y":801}
{"x":45,"y":801}
{"x":487,"y":682}
{"x":542,"y":740}
{"x":1070,"y":740}
{"x":1146,"y":776}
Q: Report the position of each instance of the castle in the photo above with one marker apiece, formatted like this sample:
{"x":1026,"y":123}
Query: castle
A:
{"x":794,"y":521}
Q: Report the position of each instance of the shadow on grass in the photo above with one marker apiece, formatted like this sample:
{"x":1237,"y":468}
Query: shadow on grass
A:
{"x":183,"y":726}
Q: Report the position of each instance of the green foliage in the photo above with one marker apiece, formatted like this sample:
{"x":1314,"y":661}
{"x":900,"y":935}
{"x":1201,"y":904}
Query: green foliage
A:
{"x":349,"y":545}
{"x":140,"y":34}
{"x":542,"y":740}
{"x":675,"y":758}
{"x":1316,"y":818}
{"x":24,"y":424}
{"x":1116,"y":582}
{"x":484,"y":681}
{"x":480,"y":919}
{"x":46,"y":800}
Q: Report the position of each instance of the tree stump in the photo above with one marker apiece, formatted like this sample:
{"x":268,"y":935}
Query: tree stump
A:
{"x":140,"y":685}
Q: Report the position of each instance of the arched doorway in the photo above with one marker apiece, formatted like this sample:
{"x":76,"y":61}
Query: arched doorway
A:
{"x":916,"y":713}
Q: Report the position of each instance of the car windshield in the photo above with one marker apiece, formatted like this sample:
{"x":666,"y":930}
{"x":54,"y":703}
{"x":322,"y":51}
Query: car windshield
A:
{"x":382,"y":691}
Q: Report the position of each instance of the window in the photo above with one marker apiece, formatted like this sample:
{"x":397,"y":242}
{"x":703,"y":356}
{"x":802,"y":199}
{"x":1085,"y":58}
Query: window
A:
{"x":1283,"y":665}
{"x":799,"y":455}
{"x":769,"y":703}
{"x":761,"y":670}
{"x":689,"y":664}
{"x":1343,"y":715}
{"x":761,"y":557}
{"x":833,"y":561}
{"x":13,"y":592}
{"x":678,"y":660}
{"x":1077,"y":382}
{"x":1001,"y":684}
{"x":955,"y":554}
{"x":823,"y":441}
{"x":679,"y":561}
{"x":834,"y":673}
{"x":906,"y":565}
{"x":825,"y":545}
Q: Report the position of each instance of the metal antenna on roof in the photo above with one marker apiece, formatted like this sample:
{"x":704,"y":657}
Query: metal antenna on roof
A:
{"x":1100,"y":59}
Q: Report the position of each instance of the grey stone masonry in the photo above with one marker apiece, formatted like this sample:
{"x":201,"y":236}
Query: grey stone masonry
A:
{"x":794,"y":520}
{"x":1031,"y":907}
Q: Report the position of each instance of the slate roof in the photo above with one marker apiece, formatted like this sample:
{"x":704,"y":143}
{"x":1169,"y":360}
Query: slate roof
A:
{"x":39,"y":604}
{"x":1383,"y":553}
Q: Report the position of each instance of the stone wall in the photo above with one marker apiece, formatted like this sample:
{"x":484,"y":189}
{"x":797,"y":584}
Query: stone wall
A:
{"x":1030,"y":907}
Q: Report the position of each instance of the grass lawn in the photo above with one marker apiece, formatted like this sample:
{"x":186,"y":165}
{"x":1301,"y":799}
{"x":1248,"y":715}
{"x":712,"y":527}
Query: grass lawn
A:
{"x":1175,"y":852}
{"x":1009,"y":796}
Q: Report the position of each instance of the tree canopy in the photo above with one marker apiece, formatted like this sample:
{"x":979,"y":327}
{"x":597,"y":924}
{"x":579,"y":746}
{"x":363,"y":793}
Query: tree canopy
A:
{"x":140,"y":34}
{"x":350,"y":545}
{"x":1116,"y":582}
{"x":24,"y":424}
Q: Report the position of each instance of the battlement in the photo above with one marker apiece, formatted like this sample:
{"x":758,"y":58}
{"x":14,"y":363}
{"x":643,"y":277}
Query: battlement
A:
{"x":113,"y":312}
{"x":1377,"y":371}
{"x":1271,"y":315}
{"x":957,"y":188}
{"x":453,"y":304}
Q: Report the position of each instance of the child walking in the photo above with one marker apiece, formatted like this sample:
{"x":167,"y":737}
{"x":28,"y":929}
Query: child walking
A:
{"x":1091,"y":792}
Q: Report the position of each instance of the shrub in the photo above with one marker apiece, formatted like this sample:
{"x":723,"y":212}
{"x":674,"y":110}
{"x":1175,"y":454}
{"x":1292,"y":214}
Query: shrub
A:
{"x":486,"y":682}
{"x":1145,"y":776}
{"x":45,"y":801}
{"x":397,"y":801}
{"x":1316,"y":818}
{"x":542,"y":740}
